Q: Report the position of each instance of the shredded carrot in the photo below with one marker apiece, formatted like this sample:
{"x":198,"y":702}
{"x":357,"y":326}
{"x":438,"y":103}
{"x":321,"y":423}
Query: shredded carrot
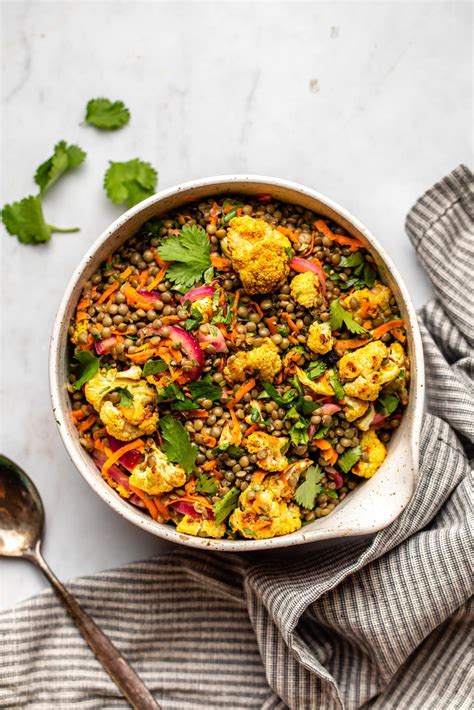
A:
{"x":353,"y":244}
{"x":141,"y":357}
{"x":311,"y":244}
{"x":99,"y":432}
{"x":365,"y":309}
{"x":113,"y":287}
{"x":385,"y":327}
{"x":125,"y":274}
{"x":82,"y":315}
{"x":293,"y":340}
{"x":77,"y":415}
{"x":87,"y":423}
{"x":158,"y":278}
{"x":257,"y":308}
{"x":137,"y":444}
{"x":398,"y":334}
{"x":195,"y":499}
{"x":220,"y":262}
{"x":235,"y":424}
{"x":209,"y":441}
{"x":99,"y":445}
{"x":161,"y":507}
{"x":143,"y":278}
{"x":214,"y":213}
{"x":251,"y":429}
{"x":134,"y":298}
{"x":271,"y":325}
{"x":170,"y":319}
{"x":292,"y":235}
{"x":159,"y":261}
{"x":279,"y":378}
{"x":243,"y":389}
{"x":290,"y":322}
{"x":258,"y":476}
{"x":209,"y":465}
{"x":190,"y":487}
{"x":329,"y":453}
{"x":235,"y":306}
{"x":149,"y":502}
{"x":83,"y":304}
{"x":350,"y":344}
{"x":197,"y":413}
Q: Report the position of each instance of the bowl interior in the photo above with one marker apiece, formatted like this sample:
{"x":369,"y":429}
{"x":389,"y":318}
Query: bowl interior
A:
{"x":373,"y":504}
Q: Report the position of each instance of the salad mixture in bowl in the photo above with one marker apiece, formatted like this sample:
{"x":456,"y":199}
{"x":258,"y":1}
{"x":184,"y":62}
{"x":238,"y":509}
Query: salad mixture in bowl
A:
{"x":237,"y":367}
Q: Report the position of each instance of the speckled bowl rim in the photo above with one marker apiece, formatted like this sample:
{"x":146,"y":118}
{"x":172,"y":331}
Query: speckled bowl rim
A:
{"x":368,"y":509}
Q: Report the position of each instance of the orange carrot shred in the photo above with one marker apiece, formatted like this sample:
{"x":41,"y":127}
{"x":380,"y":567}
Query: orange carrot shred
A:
{"x":385,"y":327}
{"x":137,"y":444}
{"x":150,"y":504}
{"x":350,"y":242}
{"x":87,"y":423}
{"x":108,"y":291}
{"x":243,"y":389}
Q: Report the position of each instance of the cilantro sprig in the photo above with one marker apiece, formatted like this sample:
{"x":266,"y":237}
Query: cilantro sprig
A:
{"x":65,"y":157}
{"x":189,"y":255}
{"x":126,"y":397}
{"x":339,"y":316}
{"x":206,"y":485}
{"x":349,"y":458}
{"x":224,"y":507}
{"x":88,"y":367}
{"x":106,"y":115}
{"x":154,"y":367}
{"x":305,"y":494}
{"x":176,"y":443}
{"x":130,"y":182}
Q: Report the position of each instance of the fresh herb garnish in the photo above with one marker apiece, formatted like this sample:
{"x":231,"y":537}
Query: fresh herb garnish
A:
{"x":387,"y":404}
{"x":348,"y":458}
{"x":65,"y":157}
{"x":321,"y":433}
{"x":364,"y":273}
{"x":25,"y":220}
{"x":88,"y":367}
{"x":189,"y":256}
{"x":284,"y":400}
{"x":107,"y":115}
{"x":335,"y":382}
{"x":339,"y":316}
{"x":206,"y":485}
{"x":205,"y":389}
{"x":126,"y":397}
{"x":154,"y":367}
{"x":230,"y":449}
{"x":185,"y":405}
{"x":130,"y":182}
{"x":194,"y":321}
{"x":176,"y":444}
{"x":225,"y":506}
{"x":230,"y":215}
{"x":315,"y":369}
{"x":255,"y":415}
{"x":305,"y":494}
{"x":299,"y":432}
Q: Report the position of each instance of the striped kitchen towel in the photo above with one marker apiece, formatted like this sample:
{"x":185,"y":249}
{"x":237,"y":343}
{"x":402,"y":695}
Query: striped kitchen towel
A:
{"x":379,"y":624}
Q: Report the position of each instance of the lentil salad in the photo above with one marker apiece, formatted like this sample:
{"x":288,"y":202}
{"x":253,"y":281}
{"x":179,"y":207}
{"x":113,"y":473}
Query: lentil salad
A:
{"x":238,"y":368}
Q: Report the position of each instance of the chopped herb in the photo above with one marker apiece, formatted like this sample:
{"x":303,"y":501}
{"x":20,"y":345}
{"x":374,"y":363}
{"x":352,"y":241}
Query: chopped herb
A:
{"x":230,"y":215}
{"x":335,"y":383}
{"x":349,"y":262}
{"x":315,"y":369}
{"x":284,"y":400}
{"x":283,"y":330}
{"x":107,"y":115}
{"x":88,"y":367}
{"x":248,"y":532}
{"x":189,"y":254}
{"x":224,"y":507}
{"x":205,"y":389}
{"x":350,"y":457}
{"x":330,"y":493}
{"x":339,"y":316}
{"x":364,"y":273}
{"x":126,"y":397}
{"x":177,"y":445}
{"x":130,"y":182}
{"x":65,"y":157}
{"x":185,"y":405}
{"x":305,"y":494}
{"x":255,"y":415}
{"x":299,"y":432}
{"x":195,"y":320}
{"x":205,"y":484}
{"x":234,"y":451}
{"x":387,"y":404}
{"x":25,"y":220}
{"x":171,"y":391}
{"x":154,"y":367}
{"x":288,"y":252}
{"x":321,"y":433}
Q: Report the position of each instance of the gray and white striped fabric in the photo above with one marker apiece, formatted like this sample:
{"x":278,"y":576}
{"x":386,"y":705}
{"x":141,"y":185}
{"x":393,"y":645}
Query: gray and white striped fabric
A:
{"x":381,"y":624}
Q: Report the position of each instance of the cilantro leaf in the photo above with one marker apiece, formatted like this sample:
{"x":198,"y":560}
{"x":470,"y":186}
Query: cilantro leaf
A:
{"x":225,"y":506}
{"x":335,"y":383}
{"x":25,"y":220}
{"x":234,"y":451}
{"x":349,"y":262}
{"x":387,"y":404}
{"x":315,"y":369}
{"x":194,"y":321}
{"x":205,"y":388}
{"x":65,"y":157}
{"x":177,"y":445}
{"x":154,"y":367}
{"x":305,"y":494}
{"x":299,"y":432}
{"x":339,"y":316}
{"x":126,"y":397}
{"x":189,"y":254}
{"x":205,"y":484}
{"x":321,"y":433}
{"x":88,"y":367}
{"x":284,"y":400}
{"x":107,"y":115}
{"x":185,"y":405}
{"x":348,"y":458}
{"x":130,"y":182}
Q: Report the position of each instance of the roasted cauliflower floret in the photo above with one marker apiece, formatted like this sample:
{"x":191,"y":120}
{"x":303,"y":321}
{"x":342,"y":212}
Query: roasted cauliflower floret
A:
{"x":320,"y":339}
{"x":362,"y":361}
{"x":354,"y":408}
{"x":306,"y":290}
{"x":369,"y":368}
{"x":376,"y":452}
{"x":80,"y":326}
{"x":366,"y":388}
{"x":264,"y":510}
{"x":268,"y":449}
{"x":200,"y":527}
{"x":263,"y":362}
{"x":320,"y":386}
{"x":259,"y":253}
{"x":155,"y":474}
{"x":134,"y":417}
{"x":372,"y":301}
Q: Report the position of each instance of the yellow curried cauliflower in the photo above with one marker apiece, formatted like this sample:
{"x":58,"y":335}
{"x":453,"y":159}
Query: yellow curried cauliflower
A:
{"x":376,"y":451}
{"x":362,"y":361}
{"x":320,"y":339}
{"x":369,"y":368}
{"x":200,"y":527}
{"x":306,"y":290}
{"x":261,"y":443}
{"x":372,"y":301}
{"x":265,"y":512}
{"x":80,"y":326}
{"x":155,"y":474}
{"x":354,"y":408}
{"x":259,"y":253}
{"x":263,"y":362}
{"x":321,"y":386}
{"x":366,"y":388}
{"x":123,"y":422}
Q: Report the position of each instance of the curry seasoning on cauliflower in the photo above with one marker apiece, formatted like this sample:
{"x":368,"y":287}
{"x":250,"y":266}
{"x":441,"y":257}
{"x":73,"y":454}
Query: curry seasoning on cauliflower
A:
{"x":237,"y":368}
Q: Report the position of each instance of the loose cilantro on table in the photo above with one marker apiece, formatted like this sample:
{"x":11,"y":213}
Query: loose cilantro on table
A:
{"x":176,"y":444}
{"x":387,"y":404}
{"x":349,"y":458}
{"x":107,"y":115}
{"x":340,"y":316}
{"x":224,"y":507}
{"x":305,"y":494}
{"x":130,"y":182}
{"x":65,"y":157}
{"x":206,"y":485}
{"x":189,"y":255}
{"x":25,"y":220}
{"x":126,"y":397}
{"x":88,"y":366}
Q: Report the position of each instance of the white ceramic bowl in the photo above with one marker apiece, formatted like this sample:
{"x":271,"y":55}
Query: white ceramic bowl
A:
{"x":376,"y":502}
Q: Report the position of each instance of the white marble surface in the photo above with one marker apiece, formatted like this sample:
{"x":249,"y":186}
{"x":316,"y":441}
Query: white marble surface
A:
{"x":366,"y":102}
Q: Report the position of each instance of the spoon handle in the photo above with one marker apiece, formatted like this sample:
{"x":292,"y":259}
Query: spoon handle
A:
{"x":121,"y":672}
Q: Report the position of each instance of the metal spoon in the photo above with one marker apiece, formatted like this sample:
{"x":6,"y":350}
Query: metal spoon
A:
{"x":21,"y":527}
